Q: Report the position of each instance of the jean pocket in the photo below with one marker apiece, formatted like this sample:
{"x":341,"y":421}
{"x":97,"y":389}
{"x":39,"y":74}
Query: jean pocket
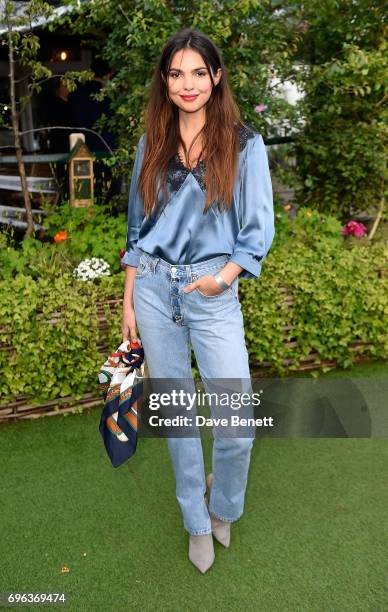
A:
{"x":230,"y":291}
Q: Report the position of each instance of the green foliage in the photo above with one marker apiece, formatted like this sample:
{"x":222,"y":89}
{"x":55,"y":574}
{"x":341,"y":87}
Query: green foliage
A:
{"x":33,"y":258}
{"x":256,"y":43}
{"x":91,"y":232}
{"x":309,"y":227}
{"x":341,"y":151}
{"x":337,"y":298}
{"x":335,"y":51}
{"x":52,"y":326}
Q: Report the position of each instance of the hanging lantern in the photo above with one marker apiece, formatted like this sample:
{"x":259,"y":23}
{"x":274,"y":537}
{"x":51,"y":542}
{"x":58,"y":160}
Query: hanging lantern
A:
{"x":81,"y":174}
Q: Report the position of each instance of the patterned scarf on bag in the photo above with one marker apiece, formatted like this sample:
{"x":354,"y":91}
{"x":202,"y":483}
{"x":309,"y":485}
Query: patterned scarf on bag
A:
{"x":120,"y":379}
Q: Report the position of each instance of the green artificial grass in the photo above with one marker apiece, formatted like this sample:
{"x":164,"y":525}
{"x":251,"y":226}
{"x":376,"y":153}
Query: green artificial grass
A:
{"x":311,"y":539}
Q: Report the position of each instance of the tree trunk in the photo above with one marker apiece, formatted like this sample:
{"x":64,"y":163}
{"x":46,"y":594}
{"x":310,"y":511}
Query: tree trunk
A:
{"x":16,"y":132}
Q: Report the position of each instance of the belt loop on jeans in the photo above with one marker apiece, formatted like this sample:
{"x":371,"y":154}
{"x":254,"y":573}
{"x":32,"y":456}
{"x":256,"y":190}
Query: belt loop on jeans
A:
{"x":154,"y":262}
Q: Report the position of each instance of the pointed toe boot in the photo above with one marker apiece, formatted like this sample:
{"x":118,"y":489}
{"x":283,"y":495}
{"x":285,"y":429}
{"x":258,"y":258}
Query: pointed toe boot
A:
{"x":201,"y":551}
{"x":220,"y":529}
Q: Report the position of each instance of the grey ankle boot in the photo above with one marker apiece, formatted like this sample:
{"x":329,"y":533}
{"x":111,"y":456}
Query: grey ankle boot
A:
{"x":201,"y":551}
{"x":221,"y":531}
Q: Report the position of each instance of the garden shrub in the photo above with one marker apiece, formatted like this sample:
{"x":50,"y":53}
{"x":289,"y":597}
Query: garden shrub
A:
{"x":337,"y":295}
{"x":90,"y":233}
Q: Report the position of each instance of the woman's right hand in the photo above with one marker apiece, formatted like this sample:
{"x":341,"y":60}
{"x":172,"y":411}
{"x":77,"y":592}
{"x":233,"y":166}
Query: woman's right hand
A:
{"x":128,"y":325}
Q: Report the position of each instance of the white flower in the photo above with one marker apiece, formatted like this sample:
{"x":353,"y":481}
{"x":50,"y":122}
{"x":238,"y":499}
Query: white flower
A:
{"x":89,"y":269}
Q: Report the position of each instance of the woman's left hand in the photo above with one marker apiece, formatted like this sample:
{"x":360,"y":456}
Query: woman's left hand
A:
{"x":206,"y":284}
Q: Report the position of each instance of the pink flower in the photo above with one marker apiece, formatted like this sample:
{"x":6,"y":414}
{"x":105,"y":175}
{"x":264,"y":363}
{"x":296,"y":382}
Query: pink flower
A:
{"x":260,"y":108}
{"x":354,"y":228}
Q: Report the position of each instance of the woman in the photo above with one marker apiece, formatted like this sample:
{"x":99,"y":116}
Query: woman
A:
{"x":200,"y":216}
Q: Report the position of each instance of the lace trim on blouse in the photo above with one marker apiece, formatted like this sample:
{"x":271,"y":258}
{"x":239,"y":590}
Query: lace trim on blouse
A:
{"x":178,"y":172}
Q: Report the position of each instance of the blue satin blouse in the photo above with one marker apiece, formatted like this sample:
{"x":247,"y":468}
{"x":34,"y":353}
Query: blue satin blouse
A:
{"x":182,"y":234}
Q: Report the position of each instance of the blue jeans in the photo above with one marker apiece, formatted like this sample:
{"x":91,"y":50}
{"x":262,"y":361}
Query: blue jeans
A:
{"x":168,"y":320}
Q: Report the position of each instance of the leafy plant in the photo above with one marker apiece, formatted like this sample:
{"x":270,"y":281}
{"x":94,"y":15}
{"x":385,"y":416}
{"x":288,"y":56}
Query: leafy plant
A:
{"x":334,"y":52}
{"x":341,"y":157}
{"x":84,"y":233}
{"x":50,"y":322}
{"x":258,"y":42}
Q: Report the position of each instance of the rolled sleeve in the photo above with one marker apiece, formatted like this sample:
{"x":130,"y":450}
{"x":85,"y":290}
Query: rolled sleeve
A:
{"x":256,"y":211}
{"x":131,"y":256}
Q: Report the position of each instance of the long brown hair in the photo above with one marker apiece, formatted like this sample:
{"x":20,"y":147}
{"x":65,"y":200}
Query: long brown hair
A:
{"x":220,"y":132}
